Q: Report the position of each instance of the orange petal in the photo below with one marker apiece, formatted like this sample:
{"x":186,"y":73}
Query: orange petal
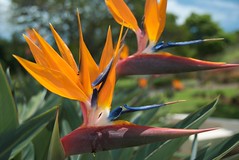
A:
{"x":122,"y":14}
{"x":106,"y":93}
{"x":155,"y":16}
{"x":55,"y":60}
{"x":107,"y":53}
{"x":53,"y":80}
{"x":64,"y":50}
{"x":31,"y":35}
{"x":37,"y":53}
{"x":162,"y":6}
{"x":88,"y":68}
{"x":124,"y":52}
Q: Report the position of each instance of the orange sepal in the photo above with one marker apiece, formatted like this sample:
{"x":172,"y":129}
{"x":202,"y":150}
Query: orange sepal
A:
{"x":55,"y":61}
{"x":108,"y":52}
{"x":53,"y":80}
{"x":155,"y":17}
{"x":122,"y":14}
{"x":88,"y":68}
{"x":64,"y":50}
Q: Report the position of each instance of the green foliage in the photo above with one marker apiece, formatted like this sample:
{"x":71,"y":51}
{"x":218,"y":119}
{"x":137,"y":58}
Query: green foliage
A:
{"x":192,"y":121}
{"x":56,"y":150}
{"x":218,"y":151}
{"x":201,"y":27}
{"x":8,"y":114}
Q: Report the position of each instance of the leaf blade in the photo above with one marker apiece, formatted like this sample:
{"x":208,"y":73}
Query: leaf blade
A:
{"x":56,"y":150}
{"x":192,"y":121}
{"x":22,"y":136}
{"x":8,"y":111}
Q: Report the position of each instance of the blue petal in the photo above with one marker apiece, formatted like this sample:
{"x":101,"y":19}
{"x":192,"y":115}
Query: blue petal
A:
{"x":94,"y":98}
{"x":142,"y":108}
{"x":163,"y":45}
{"x":115,"y":113}
{"x":102,"y":77}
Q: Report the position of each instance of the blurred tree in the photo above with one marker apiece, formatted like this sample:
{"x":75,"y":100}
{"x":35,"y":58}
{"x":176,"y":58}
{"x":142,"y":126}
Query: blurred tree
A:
{"x":62,"y":14}
{"x":174,"y":32}
{"x":95,"y":19}
{"x":201,"y":27}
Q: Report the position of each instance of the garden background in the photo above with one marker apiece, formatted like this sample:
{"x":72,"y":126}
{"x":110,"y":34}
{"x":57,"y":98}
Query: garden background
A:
{"x":197,"y":89}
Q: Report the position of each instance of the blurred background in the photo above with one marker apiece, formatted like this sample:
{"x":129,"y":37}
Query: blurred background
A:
{"x":186,"y":20}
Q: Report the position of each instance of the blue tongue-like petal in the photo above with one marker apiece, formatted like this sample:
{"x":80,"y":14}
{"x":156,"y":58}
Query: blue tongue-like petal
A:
{"x":115,"y":113}
{"x":102,"y":77}
{"x":163,"y":45}
{"x":94,"y":98}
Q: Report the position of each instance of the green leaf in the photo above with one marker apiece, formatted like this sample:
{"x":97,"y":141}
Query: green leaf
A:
{"x":70,"y":113}
{"x":28,"y":152}
{"x":194,"y":120}
{"x":52,"y":100}
{"x":20,"y":137}
{"x":234,"y":157}
{"x":40,"y":146}
{"x":56,"y":150}
{"x":194,"y":148}
{"x":219,"y":150}
{"x":29,"y":109}
{"x":8,"y":112}
{"x":105,"y":155}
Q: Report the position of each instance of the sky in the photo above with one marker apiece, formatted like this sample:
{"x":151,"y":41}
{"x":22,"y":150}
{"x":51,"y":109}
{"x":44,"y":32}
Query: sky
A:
{"x":225,"y":12}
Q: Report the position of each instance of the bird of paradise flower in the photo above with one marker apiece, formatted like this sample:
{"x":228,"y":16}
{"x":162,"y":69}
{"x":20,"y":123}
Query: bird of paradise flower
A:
{"x":93,"y":85}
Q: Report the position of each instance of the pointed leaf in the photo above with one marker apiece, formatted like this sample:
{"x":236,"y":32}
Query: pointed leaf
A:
{"x":93,"y":139}
{"x":56,"y":150}
{"x":194,"y":120}
{"x":22,"y":136}
{"x":35,"y":103}
{"x":40,"y":146}
{"x":218,"y":151}
{"x":8,"y":112}
{"x":233,"y":157}
{"x":164,"y":63}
